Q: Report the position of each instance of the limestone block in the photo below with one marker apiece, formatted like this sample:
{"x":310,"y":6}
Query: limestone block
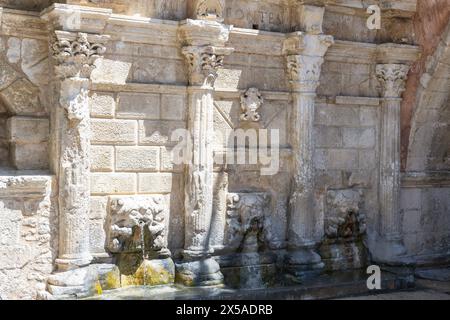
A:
{"x":167,"y":161}
{"x":102,"y":105}
{"x":28,"y":130}
{"x":345,"y":159}
{"x":137,"y":159}
{"x":13,"y":53}
{"x":332,"y":115}
{"x":98,"y":208}
{"x":22,"y":98}
{"x":173,"y":107}
{"x":113,"y":131}
{"x":102,"y":158}
{"x":367,"y":159}
{"x":359,"y":137}
{"x":7,"y":74}
{"x":113,"y":183}
{"x":155,"y":182}
{"x":110,"y":71}
{"x":368,"y":116}
{"x":108,"y":275}
{"x":34,"y":60}
{"x":138,"y":106}
{"x":97,"y":236}
{"x":30,"y":156}
{"x":149,"y":272}
{"x":328,"y":137}
{"x":158,"y":132}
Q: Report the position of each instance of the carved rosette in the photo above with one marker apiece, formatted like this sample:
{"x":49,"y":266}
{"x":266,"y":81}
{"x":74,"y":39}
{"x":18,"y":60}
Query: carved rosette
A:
{"x":75,"y":53}
{"x":251,"y":102}
{"x":392,"y":78}
{"x":203,"y":63}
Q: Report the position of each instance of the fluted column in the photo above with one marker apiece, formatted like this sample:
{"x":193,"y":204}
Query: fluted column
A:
{"x":204,"y":50}
{"x":304,"y":55}
{"x":392,"y":78}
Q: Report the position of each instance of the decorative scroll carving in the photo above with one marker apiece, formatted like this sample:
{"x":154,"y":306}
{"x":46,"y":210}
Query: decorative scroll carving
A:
{"x":345,"y":219}
{"x":75,"y":54}
{"x":251,"y":101}
{"x":392,"y":78}
{"x":129,"y":217}
{"x":203,"y":63}
{"x":210,"y":9}
{"x":246,"y":220}
{"x":305,"y":71}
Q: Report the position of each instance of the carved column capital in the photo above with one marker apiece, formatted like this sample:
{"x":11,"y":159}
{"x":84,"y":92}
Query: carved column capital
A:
{"x":203,"y":63}
{"x":392,"y":78}
{"x":304,"y":55}
{"x":74,"y":54}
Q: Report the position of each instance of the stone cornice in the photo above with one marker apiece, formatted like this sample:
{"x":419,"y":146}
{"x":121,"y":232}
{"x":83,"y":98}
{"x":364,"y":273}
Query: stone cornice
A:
{"x":23,"y":184}
{"x":76,"y":18}
{"x":22,"y":23}
{"x":425,"y":179}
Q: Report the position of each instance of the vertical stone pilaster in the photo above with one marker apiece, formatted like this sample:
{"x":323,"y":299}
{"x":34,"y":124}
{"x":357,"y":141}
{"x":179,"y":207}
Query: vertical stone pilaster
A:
{"x":304,"y":55}
{"x":204,"y":50}
{"x":392,"y":78}
{"x":73,"y":54}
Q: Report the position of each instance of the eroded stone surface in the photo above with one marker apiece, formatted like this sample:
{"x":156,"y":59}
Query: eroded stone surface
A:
{"x":104,"y":107}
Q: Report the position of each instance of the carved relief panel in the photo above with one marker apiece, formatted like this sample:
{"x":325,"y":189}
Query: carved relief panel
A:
{"x":345,"y":219}
{"x":246,"y":221}
{"x":138,"y":224}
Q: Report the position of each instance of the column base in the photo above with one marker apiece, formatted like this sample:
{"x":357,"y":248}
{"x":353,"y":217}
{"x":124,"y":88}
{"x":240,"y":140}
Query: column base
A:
{"x":72,"y":284}
{"x":203,"y":272}
{"x":73,"y":263}
{"x":302,"y":264}
{"x":390,"y":252}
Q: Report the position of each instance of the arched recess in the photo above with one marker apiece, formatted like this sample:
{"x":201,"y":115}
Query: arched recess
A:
{"x":429,"y":141}
{"x":24,"y":123}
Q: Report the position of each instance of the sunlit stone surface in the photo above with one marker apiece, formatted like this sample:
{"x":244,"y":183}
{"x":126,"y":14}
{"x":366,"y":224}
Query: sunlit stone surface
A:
{"x":169,"y":149}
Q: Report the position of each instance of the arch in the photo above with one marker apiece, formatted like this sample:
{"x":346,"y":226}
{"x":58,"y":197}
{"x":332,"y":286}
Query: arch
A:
{"x":429,"y":141}
{"x":24,"y":123}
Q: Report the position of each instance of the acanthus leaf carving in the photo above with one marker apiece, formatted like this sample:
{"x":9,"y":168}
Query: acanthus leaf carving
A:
{"x":392,"y":78}
{"x":304,"y":71}
{"x":251,"y":102}
{"x":204,"y":62}
{"x":75,"y":54}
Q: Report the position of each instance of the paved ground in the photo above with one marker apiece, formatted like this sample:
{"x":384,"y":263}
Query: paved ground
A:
{"x":425,"y":290}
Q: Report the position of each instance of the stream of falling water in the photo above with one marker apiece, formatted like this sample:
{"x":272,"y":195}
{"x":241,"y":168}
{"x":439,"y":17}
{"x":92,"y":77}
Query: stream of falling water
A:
{"x":141,"y":226}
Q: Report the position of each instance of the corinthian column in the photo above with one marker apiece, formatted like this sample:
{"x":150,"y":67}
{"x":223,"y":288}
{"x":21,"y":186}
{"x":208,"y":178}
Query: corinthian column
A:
{"x":74,"y":55}
{"x":204,"y":51}
{"x":304,"y":54}
{"x":392,"y":78}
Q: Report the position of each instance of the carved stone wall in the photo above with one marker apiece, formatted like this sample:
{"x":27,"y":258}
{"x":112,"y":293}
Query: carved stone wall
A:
{"x":123,"y":87}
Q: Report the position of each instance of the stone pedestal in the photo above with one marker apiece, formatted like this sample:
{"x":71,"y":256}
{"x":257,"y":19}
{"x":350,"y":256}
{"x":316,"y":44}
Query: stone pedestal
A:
{"x":304,"y":54}
{"x":389,"y":247}
{"x":204,"y":53}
